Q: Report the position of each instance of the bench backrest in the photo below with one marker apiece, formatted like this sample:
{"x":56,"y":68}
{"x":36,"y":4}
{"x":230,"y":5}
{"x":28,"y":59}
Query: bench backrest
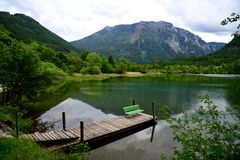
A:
{"x":131,"y":108}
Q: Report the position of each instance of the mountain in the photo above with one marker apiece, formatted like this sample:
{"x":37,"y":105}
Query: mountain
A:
{"x":216,"y":45}
{"x":229,"y":53}
{"x":27,"y":29}
{"x":226,"y":58}
{"x":146,"y":42}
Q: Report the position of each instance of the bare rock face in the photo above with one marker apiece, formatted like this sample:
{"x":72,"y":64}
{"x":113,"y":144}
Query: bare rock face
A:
{"x":146,"y":42}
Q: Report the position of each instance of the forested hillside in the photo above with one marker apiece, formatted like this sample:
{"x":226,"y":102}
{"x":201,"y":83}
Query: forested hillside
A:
{"x":28,"y":30}
{"x":226,"y":60}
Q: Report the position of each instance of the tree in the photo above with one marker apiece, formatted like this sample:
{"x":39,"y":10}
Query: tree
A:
{"x":106,"y":66}
{"x":74,"y":62}
{"x":208,"y":133}
{"x":93,"y":64}
{"x":93,"y":59}
{"x":111,"y":61}
{"x":18,"y":64}
{"x":233,"y":18}
{"x":122,"y":66}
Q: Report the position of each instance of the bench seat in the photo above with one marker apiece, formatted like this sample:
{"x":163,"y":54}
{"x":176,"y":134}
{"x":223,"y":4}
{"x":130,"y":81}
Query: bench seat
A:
{"x":132,"y":110}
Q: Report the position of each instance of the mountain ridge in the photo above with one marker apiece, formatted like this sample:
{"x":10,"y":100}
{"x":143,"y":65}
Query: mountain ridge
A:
{"x":27,"y":29}
{"x":145,"y":42}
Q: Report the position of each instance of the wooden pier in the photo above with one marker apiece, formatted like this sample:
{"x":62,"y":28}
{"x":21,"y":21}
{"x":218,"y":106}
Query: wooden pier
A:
{"x":95,"y":134}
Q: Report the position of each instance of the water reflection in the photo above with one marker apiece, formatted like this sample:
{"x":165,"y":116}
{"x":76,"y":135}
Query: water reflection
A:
{"x":98,"y":100}
{"x":75,"y":111}
{"x":136,"y":146}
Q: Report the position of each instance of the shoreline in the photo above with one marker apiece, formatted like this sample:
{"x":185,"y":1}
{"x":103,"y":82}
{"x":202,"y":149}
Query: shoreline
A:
{"x":87,"y":77}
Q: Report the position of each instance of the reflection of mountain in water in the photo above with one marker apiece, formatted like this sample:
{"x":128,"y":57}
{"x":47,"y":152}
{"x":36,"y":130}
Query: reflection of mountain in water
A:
{"x":111,"y":95}
{"x":75,"y":111}
{"x":136,"y":146}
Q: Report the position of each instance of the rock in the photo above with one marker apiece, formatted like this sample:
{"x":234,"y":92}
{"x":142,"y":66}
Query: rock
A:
{"x":5,"y":131}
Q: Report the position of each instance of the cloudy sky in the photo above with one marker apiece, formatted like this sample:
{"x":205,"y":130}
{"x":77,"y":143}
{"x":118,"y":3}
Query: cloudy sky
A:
{"x":75,"y":19}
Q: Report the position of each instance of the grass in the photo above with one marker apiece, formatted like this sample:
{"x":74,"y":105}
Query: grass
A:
{"x":87,"y":77}
{"x":25,"y":149}
{"x":7,"y":117}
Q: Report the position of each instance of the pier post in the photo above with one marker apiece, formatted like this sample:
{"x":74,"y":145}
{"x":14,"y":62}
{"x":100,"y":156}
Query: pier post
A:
{"x":154,"y":120}
{"x":16,"y":118}
{"x":64,"y":120}
{"x":153,"y":112}
{"x":81,"y":132}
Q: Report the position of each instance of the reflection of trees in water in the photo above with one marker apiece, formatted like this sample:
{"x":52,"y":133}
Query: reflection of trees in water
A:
{"x":39,"y":126}
{"x":234,"y":93}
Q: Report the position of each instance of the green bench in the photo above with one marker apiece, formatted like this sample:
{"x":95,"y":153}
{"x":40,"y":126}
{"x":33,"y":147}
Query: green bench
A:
{"x":132,"y":110}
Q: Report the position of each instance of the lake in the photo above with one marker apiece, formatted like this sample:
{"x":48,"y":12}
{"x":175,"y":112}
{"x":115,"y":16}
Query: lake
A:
{"x":97,"y":100}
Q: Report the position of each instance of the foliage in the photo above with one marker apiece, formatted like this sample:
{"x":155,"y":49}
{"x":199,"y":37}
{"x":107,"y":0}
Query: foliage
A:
{"x":208,"y":133}
{"x":111,"y":61}
{"x":93,"y":64}
{"x":233,"y":18}
{"x":74,"y":62}
{"x":24,"y":149}
{"x":27,"y":30}
{"x":18,"y":64}
{"x":122,"y":66}
{"x":79,"y":150}
{"x":107,"y":67}
{"x":49,"y":72}
{"x":93,"y":59}
{"x":91,"y":70}
{"x":7,"y":116}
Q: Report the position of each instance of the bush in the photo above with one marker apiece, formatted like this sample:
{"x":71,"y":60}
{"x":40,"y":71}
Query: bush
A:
{"x":91,"y":70}
{"x":7,"y":116}
{"x":207,"y":134}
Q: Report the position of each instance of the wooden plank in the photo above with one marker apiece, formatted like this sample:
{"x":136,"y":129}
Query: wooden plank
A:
{"x":107,"y":127}
{"x":44,"y":135}
{"x":116,"y":124}
{"x":69,"y":134}
{"x":94,"y":131}
{"x":111,"y":127}
{"x":54,"y":137}
{"x":61,"y":135}
{"x":102,"y":131}
{"x":99,"y":129}
{"x":33,"y":137}
{"x":89,"y":134}
{"x":49,"y":136}
{"x":76,"y":131}
{"x":72,"y":131}
{"x":39,"y":137}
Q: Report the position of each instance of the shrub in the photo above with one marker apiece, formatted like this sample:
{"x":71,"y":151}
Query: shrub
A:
{"x":207,"y":134}
{"x":91,"y":70}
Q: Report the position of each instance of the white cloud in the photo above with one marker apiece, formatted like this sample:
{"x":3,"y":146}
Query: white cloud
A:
{"x":75,"y":19}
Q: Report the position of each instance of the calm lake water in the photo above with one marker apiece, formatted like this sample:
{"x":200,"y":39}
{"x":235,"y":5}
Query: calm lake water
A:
{"x":97,"y":100}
